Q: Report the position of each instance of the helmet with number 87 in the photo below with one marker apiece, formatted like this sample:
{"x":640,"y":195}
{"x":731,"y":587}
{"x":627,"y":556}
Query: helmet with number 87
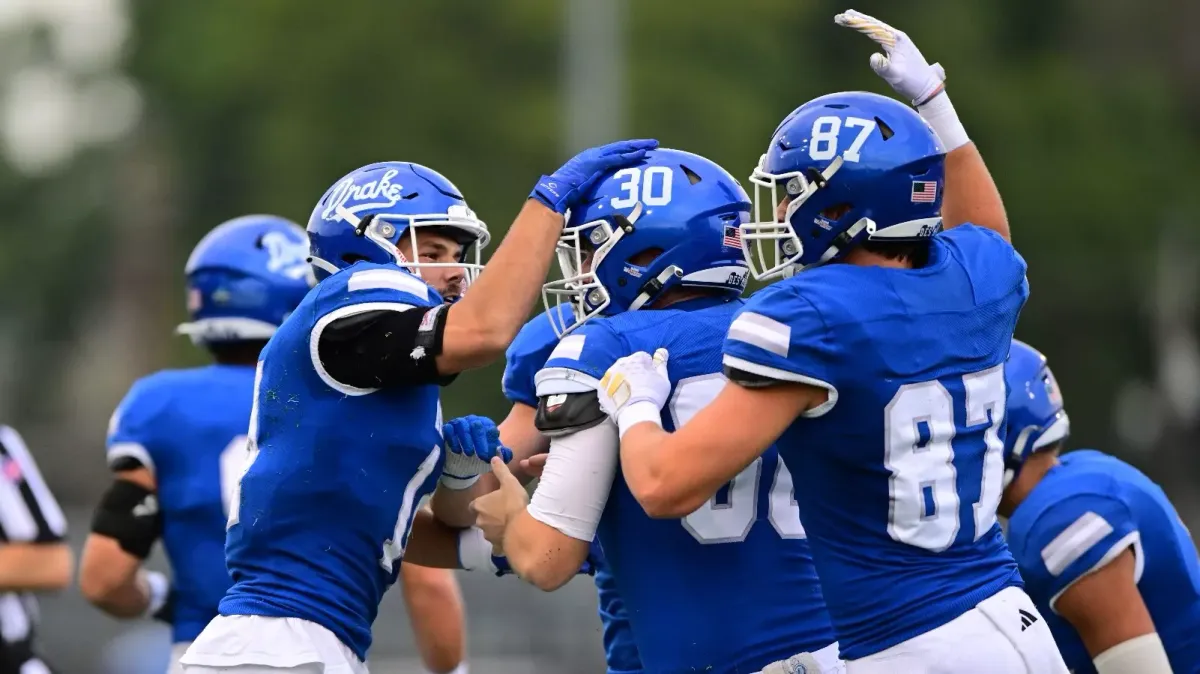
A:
{"x":366,"y":214}
{"x":841,"y":169}
{"x":668,"y":221}
{"x":1036,"y":418}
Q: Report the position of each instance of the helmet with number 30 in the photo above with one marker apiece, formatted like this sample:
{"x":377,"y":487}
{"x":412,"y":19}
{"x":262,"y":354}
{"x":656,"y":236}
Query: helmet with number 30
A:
{"x":840,"y":169}
{"x":670,"y":220}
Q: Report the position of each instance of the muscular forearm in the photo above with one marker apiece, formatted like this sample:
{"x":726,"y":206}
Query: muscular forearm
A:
{"x":432,"y":543}
{"x":970,"y":195}
{"x":542,"y":555}
{"x":112,"y":579}
{"x":34,"y":566}
{"x":480,"y":326}
{"x":452,"y":507}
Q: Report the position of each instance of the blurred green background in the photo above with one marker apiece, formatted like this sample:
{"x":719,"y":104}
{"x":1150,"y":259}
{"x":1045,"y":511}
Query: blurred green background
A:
{"x":129,"y":128}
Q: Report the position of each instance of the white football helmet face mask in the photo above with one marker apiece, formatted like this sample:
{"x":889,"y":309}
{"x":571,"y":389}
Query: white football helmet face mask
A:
{"x":579,"y":287}
{"x":770,"y":245}
{"x":383,"y":227}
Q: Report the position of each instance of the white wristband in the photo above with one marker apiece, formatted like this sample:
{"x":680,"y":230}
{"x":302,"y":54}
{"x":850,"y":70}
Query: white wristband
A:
{"x":159,"y":589}
{"x":940,"y":114}
{"x":474,"y":551}
{"x":636,"y":413}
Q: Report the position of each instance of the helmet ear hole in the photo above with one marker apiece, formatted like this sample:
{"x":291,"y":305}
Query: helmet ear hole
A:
{"x":351,"y":258}
{"x":643,"y":258}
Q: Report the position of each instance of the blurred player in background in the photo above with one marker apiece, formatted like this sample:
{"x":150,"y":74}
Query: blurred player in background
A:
{"x":1102,"y":551}
{"x":653,"y":257}
{"x":345,"y":430}
{"x":176,"y":446}
{"x":879,"y":371}
{"x":34,"y":555}
{"x":175,"y":443}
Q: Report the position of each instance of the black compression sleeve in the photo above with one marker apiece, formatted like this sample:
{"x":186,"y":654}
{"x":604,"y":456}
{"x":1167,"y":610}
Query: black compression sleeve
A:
{"x":381,"y":348}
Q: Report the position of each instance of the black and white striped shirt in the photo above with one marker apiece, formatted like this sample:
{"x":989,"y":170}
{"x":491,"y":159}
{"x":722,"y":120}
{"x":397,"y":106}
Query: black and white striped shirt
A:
{"x":28,"y":514}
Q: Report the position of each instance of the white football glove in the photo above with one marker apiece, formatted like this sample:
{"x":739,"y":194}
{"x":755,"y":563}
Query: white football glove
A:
{"x":901,"y":64}
{"x":635,"y":389}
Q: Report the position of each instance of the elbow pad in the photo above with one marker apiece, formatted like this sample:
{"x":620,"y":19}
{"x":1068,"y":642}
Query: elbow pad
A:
{"x":129,"y":514}
{"x":380,"y":348}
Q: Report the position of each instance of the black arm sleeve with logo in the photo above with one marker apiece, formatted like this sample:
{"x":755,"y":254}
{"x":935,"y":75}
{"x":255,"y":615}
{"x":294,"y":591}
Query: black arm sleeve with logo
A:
{"x":566,"y":413}
{"x":381,"y":348}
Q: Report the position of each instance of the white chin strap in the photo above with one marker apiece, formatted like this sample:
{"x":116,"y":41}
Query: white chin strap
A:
{"x":208,"y":330}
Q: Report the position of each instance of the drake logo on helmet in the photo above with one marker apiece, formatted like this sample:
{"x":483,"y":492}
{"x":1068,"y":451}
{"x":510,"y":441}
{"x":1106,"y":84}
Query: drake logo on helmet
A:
{"x":285,"y":255}
{"x":380,"y":193}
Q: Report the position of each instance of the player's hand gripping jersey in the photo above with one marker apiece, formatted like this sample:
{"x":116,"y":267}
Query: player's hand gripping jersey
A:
{"x":526,"y":355}
{"x":1084,"y":512}
{"x":322,"y":515}
{"x":729,"y":588}
{"x":899,"y":473}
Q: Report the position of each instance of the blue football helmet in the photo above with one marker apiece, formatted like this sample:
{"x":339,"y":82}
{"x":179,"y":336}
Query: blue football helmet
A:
{"x":1035,"y":417}
{"x":672,"y":201}
{"x":244,"y":278}
{"x":364,"y":214}
{"x":851,"y":166}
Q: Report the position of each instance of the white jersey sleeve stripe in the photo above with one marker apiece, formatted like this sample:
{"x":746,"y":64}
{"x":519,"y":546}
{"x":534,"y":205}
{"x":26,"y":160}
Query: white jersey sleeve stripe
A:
{"x":570,"y":348}
{"x":766,"y":333}
{"x":556,"y":380}
{"x":1134,"y":539}
{"x":1074,"y":542}
{"x":373,"y":279}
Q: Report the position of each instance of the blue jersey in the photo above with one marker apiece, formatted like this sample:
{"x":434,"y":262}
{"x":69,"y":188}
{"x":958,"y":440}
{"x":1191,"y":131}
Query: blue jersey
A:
{"x":731,"y":587}
{"x":1084,"y":512}
{"x":335,"y":473}
{"x":188,"y":427}
{"x":899,"y":473}
{"x":525,"y":356}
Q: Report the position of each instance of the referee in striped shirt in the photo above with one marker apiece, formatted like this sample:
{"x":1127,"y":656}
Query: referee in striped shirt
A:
{"x":33,"y":553}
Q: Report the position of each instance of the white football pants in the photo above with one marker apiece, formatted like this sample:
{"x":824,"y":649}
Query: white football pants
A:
{"x":995,"y":637}
{"x":260,"y":645}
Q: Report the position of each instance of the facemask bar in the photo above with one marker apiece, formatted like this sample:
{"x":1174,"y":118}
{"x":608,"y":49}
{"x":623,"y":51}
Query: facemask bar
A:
{"x":581,"y":290}
{"x":383,"y":227}
{"x":1056,"y":431}
{"x":770,"y":246}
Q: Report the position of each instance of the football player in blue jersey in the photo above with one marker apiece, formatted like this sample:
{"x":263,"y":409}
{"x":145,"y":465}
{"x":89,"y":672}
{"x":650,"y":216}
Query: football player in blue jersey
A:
{"x":345,"y":430}
{"x":174,"y":441}
{"x":878,"y":372}
{"x":1102,"y":551}
{"x":653,"y":257}
{"x":524,"y":358}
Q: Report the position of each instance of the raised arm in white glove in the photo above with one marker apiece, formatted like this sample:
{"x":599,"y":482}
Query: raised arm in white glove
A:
{"x":904,"y":67}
